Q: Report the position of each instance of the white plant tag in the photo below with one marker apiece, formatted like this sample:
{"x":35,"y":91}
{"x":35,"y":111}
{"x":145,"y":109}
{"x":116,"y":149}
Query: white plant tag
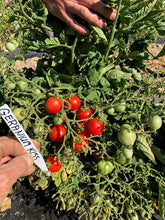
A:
{"x":22,"y":136}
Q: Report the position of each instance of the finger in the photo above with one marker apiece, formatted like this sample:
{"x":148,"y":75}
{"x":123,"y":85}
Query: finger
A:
{"x":11,"y":146}
{"x":5,"y":159}
{"x":17,"y":167}
{"x":89,"y":16}
{"x":99,"y":7}
{"x":30,"y":171}
{"x":10,"y":172}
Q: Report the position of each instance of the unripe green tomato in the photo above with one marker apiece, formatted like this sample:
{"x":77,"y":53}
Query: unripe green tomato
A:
{"x":127,"y":152}
{"x":58,"y":120}
{"x":155,"y":122}
{"x":126,"y":135}
{"x":110,"y":111}
{"x":120,"y":107}
{"x":38,"y":129}
{"x":121,"y":158}
{"x":11,"y":85}
{"x":21,"y":85}
{"x":11,"y":45}
{"x":19,"y":114}
{"x":36,"y":91}
{"x":105,"y":167}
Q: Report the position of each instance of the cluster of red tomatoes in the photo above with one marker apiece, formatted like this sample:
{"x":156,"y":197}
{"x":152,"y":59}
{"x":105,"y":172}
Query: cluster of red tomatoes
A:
{"x":91,"y":126}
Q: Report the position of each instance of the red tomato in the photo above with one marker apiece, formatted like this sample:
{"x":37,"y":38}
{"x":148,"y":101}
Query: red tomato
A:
{"x":73,"y":102}
{"x":80,"y":146}
{"x":57,"y":133}
{"x":84,"y":113}
{"x":53,"y":105}
{"x":94,"y":127}
{"x":55,"y":165}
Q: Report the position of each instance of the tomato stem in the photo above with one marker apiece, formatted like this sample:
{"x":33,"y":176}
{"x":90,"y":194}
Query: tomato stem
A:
{"x":113,"y":31}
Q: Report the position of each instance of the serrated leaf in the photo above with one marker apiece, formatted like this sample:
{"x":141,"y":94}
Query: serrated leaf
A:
{"x":52,"y":41}
{"x":143,"y":145}
{"x":99,"y":32}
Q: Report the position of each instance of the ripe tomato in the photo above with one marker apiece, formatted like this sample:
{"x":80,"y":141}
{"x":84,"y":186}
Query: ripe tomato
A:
{"x":55,"y":165}
{"x":80,"y":146}
{"x":53,"y":105}
{"x":84,"y":113}
{"x":73,"y":103}
{"x":155,"y":122}
{"x":94,"y":127}
{"x":105,"y":167}
{"x":57,"y":133}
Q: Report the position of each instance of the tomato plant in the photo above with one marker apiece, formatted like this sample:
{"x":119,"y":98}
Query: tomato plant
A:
{"x":73,"y":103}
{"x":54,"y":165}
{"x":94,"y":127}
{"x":80,"y":143}
{"x":105,"y":167}
{"x":53,"y":105}
{"x":57,"y":133}
{"x":84,"y":113}
{"x":107,"y":70}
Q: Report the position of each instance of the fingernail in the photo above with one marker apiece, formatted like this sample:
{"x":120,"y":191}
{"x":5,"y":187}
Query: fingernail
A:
{"x":29,"y":159}
{"x":104,"y":24}
{"x":113,"y":15}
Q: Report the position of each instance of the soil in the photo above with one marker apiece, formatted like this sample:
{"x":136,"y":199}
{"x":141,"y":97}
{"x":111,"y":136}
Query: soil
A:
{"x":26,"y":203}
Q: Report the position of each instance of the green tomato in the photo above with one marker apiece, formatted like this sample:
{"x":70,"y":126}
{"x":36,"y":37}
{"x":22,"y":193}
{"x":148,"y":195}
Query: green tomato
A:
{"x":126,"y":135}
{"x":105,"y":167}
{"x":21,"y":85}
{"x":19,"y":114}
{"x":127,"y":152}
{"x":110,"y":111}
{"x":120,"y":107}
{"x":11,"y":45}
{"x":58,"y":120}
{"x":36,"y":91}
{"x":38,"y":129}
{"x":11,"y":85}
{"x":120,"y":157}
{"x":155,"y":122}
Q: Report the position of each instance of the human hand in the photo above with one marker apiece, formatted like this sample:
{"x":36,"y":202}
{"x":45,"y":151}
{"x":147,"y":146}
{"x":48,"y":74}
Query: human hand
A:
{"x":91,"y":11}
{"x":14,"y":163}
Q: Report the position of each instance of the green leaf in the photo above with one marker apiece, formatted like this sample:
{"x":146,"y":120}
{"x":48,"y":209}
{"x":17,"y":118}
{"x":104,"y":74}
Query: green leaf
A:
{"x":99,"y":32}
{"x":143,"y":145}
{"x":93,"y":97}
{"x":52,"y":41}
{"x":159,"y":154}
{"x":104,"y":82}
